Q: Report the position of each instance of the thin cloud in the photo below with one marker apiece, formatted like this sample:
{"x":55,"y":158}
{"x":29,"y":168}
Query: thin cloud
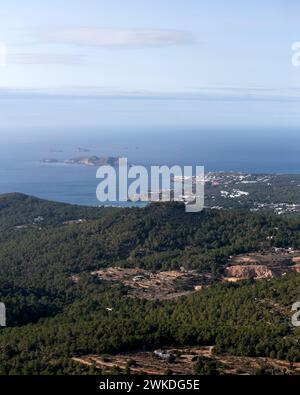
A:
{"x":105,"y":37}
{"x":44,"y":59}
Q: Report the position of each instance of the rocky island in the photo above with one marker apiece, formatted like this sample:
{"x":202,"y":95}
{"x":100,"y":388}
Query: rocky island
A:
{"x":50,"y":160}
{"x":94,"y":161}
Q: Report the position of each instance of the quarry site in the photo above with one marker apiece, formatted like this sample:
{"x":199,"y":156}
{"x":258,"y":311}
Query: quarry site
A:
{"x":258,"y":266}
{"x":165,"y":285}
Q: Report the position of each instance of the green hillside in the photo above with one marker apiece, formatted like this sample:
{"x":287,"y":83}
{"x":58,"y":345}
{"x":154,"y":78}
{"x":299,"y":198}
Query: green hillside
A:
{"x":52,"y":318}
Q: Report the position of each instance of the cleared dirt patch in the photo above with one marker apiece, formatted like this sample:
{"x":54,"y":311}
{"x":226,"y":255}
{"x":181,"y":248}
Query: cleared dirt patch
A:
{"x":160,"y":285}
{"x":184,"y":362}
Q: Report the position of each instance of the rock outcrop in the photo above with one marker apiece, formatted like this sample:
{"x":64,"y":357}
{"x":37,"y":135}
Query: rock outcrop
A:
{"x":249,"y":271}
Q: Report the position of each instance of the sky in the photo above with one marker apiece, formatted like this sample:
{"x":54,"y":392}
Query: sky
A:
{"x":94,"y":63}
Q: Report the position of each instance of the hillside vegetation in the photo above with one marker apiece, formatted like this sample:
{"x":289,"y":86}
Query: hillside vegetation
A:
{"x":51,"y":318}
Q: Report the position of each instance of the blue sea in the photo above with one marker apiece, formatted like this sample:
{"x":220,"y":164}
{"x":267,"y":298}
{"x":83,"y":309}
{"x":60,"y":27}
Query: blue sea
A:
{"x":258,"y":151}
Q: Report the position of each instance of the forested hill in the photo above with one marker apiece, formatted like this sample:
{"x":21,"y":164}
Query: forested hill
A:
{"x":43,"y":245}
{"x":19,"y":209}
{"x":158,"y":237}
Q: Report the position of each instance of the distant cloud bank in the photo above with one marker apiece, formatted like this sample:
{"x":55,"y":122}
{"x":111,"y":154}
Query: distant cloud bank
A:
{"x":208,"y":94}
{"x":108,"y":37}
